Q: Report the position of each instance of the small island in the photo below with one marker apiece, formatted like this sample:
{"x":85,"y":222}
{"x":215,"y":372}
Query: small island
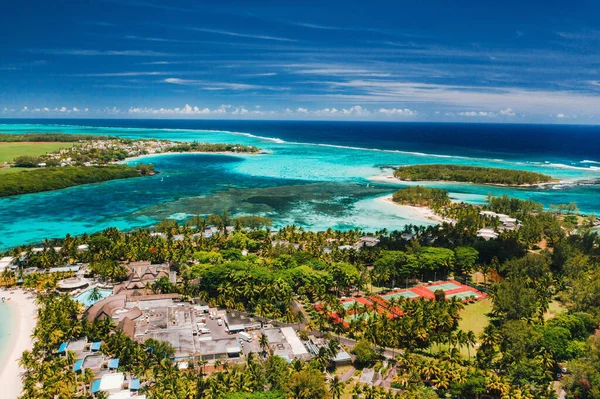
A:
{"x":422,"y":197}
{"x":38,"y":162}
{"x":471,"y":174}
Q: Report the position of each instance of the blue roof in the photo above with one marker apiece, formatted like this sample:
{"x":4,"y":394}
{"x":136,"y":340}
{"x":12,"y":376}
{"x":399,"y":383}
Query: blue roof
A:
{"x":96,"y":346}
{"x":63,"y":347}
{"x":78,"y":364}
{"x":134,"y":384}
{"x":113,"y":364}
{"x":96,"y":386}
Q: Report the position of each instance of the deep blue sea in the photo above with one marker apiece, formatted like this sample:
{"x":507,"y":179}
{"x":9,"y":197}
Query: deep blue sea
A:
{"x":315,"y":174}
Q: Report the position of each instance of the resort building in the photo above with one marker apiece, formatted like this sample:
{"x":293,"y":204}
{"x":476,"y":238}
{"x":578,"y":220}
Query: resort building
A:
{"x":143,"y":274}
{"x":366,"y":241}
{"x":237,"y":322}
{"x":487,"y":234}
{"x":106,"y":378}
{"x":508,"y":223}
{"x":6,"y":262}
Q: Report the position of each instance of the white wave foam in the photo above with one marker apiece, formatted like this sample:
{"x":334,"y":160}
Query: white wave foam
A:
{"x":277,"y":140}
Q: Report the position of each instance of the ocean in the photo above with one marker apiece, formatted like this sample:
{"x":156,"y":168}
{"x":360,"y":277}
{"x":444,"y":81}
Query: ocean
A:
{"x":315,"y":175}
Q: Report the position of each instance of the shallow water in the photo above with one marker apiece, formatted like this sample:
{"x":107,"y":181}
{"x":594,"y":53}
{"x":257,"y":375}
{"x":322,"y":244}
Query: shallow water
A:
{"x":315,"y":175}
{"x":6,"y":321}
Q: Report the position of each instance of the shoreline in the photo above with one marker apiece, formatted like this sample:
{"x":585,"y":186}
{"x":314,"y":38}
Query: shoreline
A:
{"x":23,"y":321}
{"x":395,"y":180}
{"x":239,"y":154}
{"x":423,"y":212}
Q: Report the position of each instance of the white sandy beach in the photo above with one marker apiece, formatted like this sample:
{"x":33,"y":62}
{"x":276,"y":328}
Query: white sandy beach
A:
{"x":413,"y":212}
{"x":234,"y":154}
{"x":23,"y":323}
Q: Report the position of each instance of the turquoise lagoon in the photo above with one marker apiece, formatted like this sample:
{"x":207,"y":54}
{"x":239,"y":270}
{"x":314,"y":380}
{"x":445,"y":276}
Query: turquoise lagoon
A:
{"x":324,"y":181}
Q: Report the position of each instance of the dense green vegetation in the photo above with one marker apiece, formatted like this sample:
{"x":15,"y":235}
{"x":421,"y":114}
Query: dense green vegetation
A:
{"x":207,"y":147}
{"x":471,"y":174}
{"x":422,"y":196}
{"x":298,"y":276}
{"x":49,"y":137}
{"x":48,"y":179}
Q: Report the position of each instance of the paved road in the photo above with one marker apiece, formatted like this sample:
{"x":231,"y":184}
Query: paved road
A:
{"x":348,"y":375}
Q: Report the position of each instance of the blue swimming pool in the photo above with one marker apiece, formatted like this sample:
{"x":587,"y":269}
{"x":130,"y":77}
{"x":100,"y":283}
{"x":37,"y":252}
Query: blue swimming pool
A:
{"x":85,"y":297}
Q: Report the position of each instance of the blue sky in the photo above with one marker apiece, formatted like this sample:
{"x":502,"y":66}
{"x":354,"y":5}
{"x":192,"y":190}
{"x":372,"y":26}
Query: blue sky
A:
{"x":510,"y":61}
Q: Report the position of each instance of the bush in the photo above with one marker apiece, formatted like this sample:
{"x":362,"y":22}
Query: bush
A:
{"x":365,"y":353}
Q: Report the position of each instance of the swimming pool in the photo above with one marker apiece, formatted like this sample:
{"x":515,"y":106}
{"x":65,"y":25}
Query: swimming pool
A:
{"x":84,"y":297}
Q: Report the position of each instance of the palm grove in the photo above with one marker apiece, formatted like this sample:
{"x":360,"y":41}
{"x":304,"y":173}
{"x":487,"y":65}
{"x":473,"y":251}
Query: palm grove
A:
{"x":519,"y":354}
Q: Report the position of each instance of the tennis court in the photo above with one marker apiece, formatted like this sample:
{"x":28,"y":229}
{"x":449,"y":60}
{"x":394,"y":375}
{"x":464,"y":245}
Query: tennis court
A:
{"x":464,"y":295}
{"x":404,"y":294}
{"x":444,"y":287}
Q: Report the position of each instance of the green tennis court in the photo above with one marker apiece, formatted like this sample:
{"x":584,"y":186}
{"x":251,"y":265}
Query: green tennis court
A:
{"x":445,"y":287}
{"x":404,"y":294}
{"x":463,"y":295}
{"x":363,"y":316}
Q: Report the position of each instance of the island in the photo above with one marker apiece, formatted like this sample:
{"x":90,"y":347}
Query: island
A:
{"x":471,"y":174}
{"x":38,"y":162}
{"x":422,"y":196}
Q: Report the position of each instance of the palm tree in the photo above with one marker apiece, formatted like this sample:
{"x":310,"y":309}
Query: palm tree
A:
{"x":470,"y":340}
{"x":264,"y":343}
{"x":95,"y":294}
{"x":336,"y":387}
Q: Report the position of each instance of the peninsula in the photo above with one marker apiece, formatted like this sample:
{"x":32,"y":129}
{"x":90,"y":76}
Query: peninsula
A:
{"x":38,"y":162}
{"x":471,"y":174}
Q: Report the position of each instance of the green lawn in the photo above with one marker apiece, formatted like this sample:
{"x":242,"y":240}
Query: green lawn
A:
{"x":9,"y":151}
{"x":473,"y":316}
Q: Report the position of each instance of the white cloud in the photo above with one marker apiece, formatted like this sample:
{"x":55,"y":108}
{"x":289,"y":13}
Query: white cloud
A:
{"x":507,"y":112}
{"x":397,"y":111}
{"x":121,"y":74}
{"x":214,"y":86}
{"x":236,"y":34}
{"x":477,"y":114}
{"x":389,"y":91}
{"x":561,"y":116}
{"x":187,"y":110}
{"x":302,"y":111}
{"x":83,"y":52}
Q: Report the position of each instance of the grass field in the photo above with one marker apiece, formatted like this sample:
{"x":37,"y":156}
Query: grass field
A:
{"x":473,"y":318}
{"x":5,"y":171}
{"x":9,"y":151}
